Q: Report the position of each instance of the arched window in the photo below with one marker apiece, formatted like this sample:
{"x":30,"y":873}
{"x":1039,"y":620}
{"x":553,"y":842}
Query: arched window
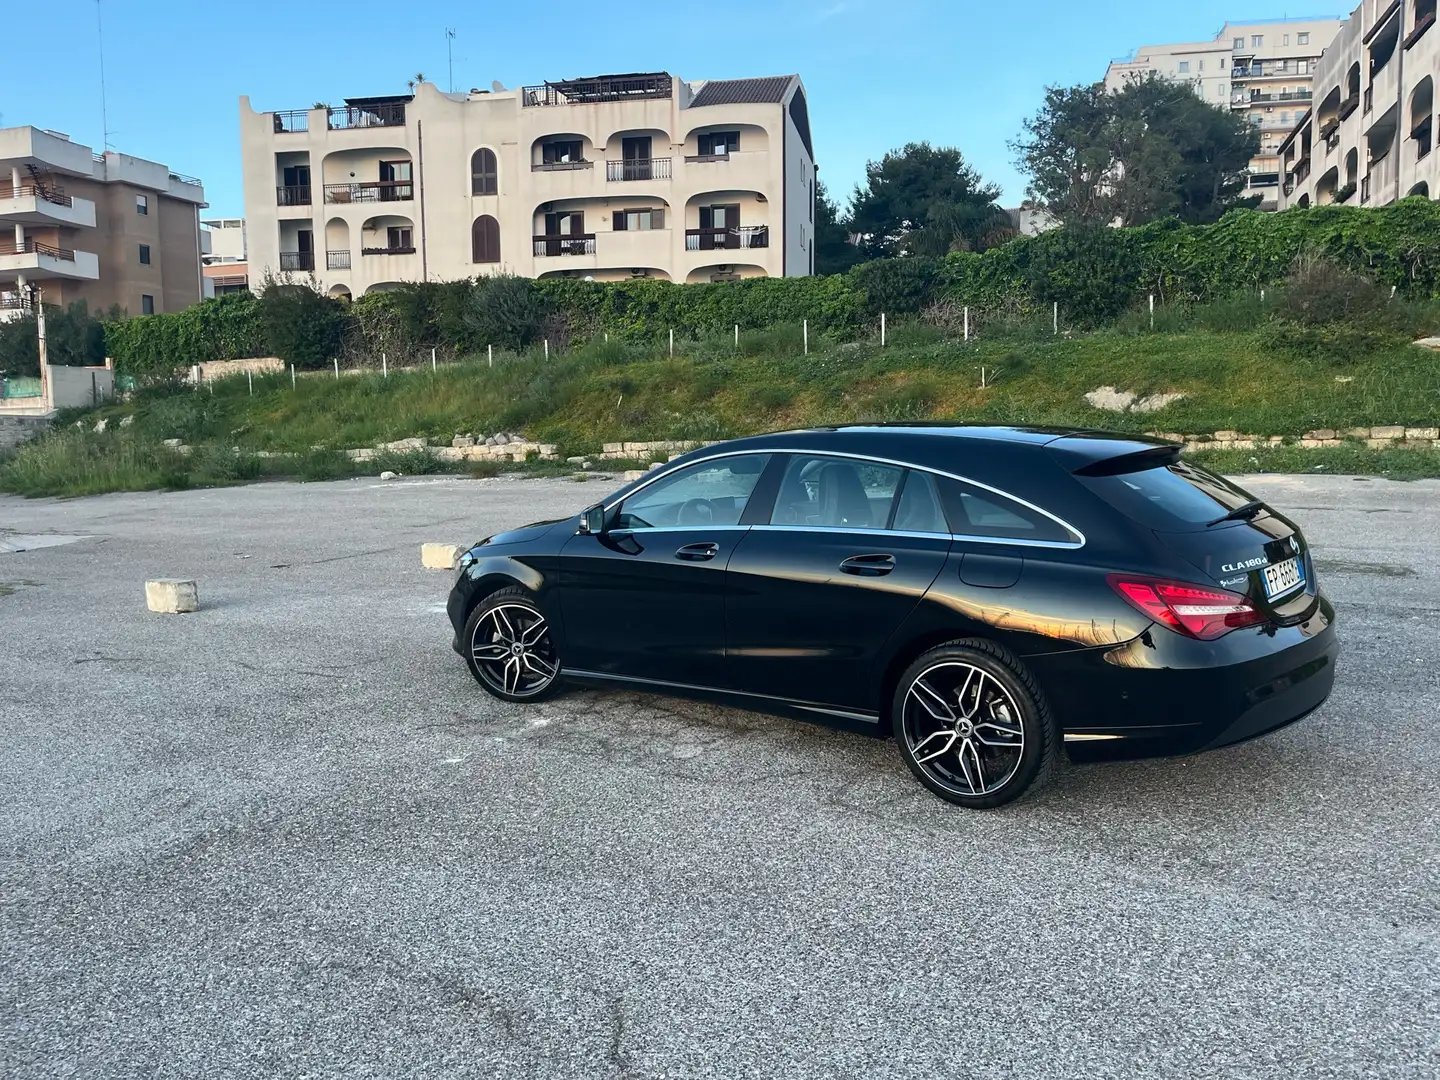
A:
{"x":482,"y":173}
{"x":485,"y":239}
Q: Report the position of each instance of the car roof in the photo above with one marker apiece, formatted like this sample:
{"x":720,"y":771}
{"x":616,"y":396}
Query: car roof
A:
{"x":931,"y":443}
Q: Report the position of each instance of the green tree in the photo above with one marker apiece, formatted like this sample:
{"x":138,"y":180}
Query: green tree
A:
{"x":834,"y":254}
{"x":1151,"y":150}
{"x":923,"y":199}
{"x":300,"y":324}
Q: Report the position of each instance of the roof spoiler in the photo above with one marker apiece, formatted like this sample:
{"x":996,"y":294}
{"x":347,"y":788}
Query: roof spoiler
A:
{"x":1152,"y":457}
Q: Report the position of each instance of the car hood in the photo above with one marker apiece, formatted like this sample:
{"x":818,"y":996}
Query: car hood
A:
{"x":525,"y":532}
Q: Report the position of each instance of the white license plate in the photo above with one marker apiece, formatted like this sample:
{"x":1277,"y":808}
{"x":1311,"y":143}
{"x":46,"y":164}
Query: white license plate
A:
{"x":1283,"y":577}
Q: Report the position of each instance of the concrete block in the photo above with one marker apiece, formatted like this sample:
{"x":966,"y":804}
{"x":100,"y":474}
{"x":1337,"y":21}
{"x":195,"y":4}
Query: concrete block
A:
{"x":576,"y":460}
{"x":172,"y":596}
{"x":500,"y":439}
{"x":654,"y":466}
{"x":167,"y":442}
{"x":462,"y":441}
{"x":404,"y":444}
{"x":1379,"y":444}
{"x":1310,"y":444}
{"x":1332,"y":442}
{"x":1359,"y":433}
{"x":440,"y":556}
{"x":362,"y":454}
{"x":1422,"y":433}
{"x":612,"y":448}
{"x":1391,"y":432}
{"x":548,"y":449}
{"x":1276,"y":440}
{"x":1321,"y":433}
{"x":388,"y":475}
{"x":449,"y":453}
{"x":1429,"y":343}
{"x":632,"y":474}
{"x":1225,"y":436}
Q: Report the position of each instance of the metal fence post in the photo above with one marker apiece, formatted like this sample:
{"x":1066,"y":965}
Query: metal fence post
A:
{"x":805,"y":330}
{"x":882,"y":329}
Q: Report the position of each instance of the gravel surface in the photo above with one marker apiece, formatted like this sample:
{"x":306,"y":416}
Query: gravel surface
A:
{"x":288,"y":836}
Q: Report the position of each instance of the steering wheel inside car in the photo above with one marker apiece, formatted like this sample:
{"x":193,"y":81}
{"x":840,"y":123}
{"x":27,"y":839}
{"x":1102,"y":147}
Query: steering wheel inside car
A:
{"x":696,"y":512}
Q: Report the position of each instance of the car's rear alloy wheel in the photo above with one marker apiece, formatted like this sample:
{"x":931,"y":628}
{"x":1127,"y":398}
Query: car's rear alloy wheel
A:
{"x":972,"y":725}
{"x":510,"y":649}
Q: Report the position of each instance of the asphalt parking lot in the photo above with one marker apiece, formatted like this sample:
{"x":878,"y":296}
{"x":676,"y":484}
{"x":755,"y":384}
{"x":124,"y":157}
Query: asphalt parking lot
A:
{"x":288,"y":836}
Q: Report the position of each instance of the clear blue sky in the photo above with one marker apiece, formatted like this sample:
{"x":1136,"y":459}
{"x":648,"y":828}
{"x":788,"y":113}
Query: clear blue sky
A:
{"x":879,"y":73}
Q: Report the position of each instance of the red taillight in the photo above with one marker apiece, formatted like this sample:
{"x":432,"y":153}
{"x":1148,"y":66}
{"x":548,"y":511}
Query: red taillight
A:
{"x":1193,"y":610}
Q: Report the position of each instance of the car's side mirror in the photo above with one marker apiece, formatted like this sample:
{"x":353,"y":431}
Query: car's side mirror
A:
{"x":592,"y":520}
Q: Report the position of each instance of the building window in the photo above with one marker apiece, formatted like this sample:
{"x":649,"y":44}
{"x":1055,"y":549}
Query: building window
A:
{"x":1281,"y":66}
{"x":144,"y":254}
{"x":639,"y":220}
{"x":147,"y":304}
{"x":1184,"y":67}
{"x":1285,"y":40}
{"x":1303,"y":67}
{"x":1284,"y":118}
{"x":1257,"y":40}
{"x":1220,"y":90}
{"x":1303,"y":39}
{"x":1202,"y":65}
{"x":485,"y":240}
{"x":398,"y":238}
{"x":719,"y":143}
{"x":142,"y":205}
{"x":559,"y":153}
{"x":1238,"y":44}
{"x":483,"y":179}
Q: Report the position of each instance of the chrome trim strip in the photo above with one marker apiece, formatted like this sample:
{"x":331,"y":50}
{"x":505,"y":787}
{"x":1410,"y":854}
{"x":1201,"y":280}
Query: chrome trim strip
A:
{"x":869,"y":718}
{"x":686,"y":528}
{"x":1065,"y":545}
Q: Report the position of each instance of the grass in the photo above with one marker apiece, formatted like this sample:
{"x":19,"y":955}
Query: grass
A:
{"x":1236,"y":371}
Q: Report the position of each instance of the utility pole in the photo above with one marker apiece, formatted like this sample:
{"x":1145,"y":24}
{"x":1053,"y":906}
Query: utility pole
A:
{"x":450,"y":55}
{"x":40,"y":335}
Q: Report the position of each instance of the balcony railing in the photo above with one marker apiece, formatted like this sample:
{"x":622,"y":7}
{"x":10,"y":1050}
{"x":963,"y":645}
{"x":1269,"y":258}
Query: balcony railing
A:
{"x":1365,"y":188}
{"x":379,"y":191}
{"x":181,"y":178}
{"x":292,"y":195}
{"x":561,"y":166}
{"x":638,"y":169}
{"x":722,"y":239}
{"x":337,"y":260}
{"x":291,"y":120}
{"x":407,"y":249}
{"x":577,"y":244}
{"x":1289,"y":187}
{"x":1348,"y":106}
{"x":52,"y":193}
{"x":1329,"y":127}
{"x":699,"y":159}
{"x":1369,"y":98}
{"x":356,"y":116}
{"x":1302,"y":170}
{"x":654,"y":84}
{"x":14,"y":303}
{"x":297,"y":260}
{"x":35,"y":247}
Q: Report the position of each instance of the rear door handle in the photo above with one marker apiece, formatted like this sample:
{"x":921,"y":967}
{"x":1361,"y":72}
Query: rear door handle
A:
{"x":868,"y":565}
{"x":698,"y":552}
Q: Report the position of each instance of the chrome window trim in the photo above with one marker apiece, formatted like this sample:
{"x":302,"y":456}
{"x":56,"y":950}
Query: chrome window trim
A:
{"x":684,"y":528}
{"x":1064,"y":545}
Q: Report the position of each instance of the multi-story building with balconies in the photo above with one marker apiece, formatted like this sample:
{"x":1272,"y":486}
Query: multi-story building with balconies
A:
{"x":609,"y":178}
{"x":1370,"y":137}
{"x":109,"y":229}
{"x":1262,"y":70}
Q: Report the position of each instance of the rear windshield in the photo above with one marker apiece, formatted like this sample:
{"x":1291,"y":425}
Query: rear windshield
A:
{"x":1171,"y":498}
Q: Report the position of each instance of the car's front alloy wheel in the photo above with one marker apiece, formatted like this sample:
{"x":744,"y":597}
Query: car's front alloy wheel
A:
{"x":509,"y":647}
{"x":972,"y":725}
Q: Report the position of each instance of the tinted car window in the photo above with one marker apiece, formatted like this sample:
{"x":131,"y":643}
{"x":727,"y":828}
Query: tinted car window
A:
{"x":1171,"y":498}
{"x":706,"y":493}
{"x":919,"y":509}
{"x":977,"y":512}
{"x":837,"y":493}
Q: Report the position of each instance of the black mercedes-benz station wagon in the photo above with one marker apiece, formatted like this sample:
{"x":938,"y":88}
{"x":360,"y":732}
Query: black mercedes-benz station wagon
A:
{"x":982,"y":594}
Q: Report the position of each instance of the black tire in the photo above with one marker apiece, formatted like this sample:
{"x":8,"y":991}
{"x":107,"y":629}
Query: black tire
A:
{"x":1007,"y":738}
{"x":507,"y":673}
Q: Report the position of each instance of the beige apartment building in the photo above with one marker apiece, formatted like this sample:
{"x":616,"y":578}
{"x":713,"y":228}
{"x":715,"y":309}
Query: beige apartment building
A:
{"x":222,"y":256}
{"x":1263,"y":70}
{"x":1369,"y":139}
{"x":109,"y":229}
{"x":612,"y":177}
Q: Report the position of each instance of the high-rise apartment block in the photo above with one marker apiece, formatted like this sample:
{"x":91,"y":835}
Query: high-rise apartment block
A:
{"x":610,"y":178}
{"x":1263,"y":70}
{"x":1370,"y":138}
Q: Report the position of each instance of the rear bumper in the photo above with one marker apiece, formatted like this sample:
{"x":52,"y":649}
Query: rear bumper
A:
{"x":1162,"y":694}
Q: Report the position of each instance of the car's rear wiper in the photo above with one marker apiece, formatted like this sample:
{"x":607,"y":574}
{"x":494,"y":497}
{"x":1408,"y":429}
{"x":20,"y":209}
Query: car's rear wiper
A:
{"x":1241,"y":513}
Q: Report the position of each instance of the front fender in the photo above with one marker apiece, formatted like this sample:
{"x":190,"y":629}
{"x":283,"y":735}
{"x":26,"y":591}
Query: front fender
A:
{"x":488,"y":574}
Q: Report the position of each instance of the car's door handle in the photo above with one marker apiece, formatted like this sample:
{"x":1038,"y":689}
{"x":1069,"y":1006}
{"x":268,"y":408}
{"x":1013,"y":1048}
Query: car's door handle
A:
{"x":698,"y":552}
{"x":868,"y":565}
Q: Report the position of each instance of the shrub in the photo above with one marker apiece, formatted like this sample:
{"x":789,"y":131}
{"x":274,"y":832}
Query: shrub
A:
{"x":1320,"y":292}
{"x":505,"y":311}
{"x":301,"y":325}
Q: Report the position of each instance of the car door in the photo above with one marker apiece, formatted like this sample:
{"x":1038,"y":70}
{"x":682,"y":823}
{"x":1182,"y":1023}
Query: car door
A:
{"x":645,"y":599}
{"x":814,"y":594}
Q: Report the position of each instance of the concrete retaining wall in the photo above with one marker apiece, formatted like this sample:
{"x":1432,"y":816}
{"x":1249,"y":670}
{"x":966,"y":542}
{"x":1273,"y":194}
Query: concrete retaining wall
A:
{"x":16,"y":429}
